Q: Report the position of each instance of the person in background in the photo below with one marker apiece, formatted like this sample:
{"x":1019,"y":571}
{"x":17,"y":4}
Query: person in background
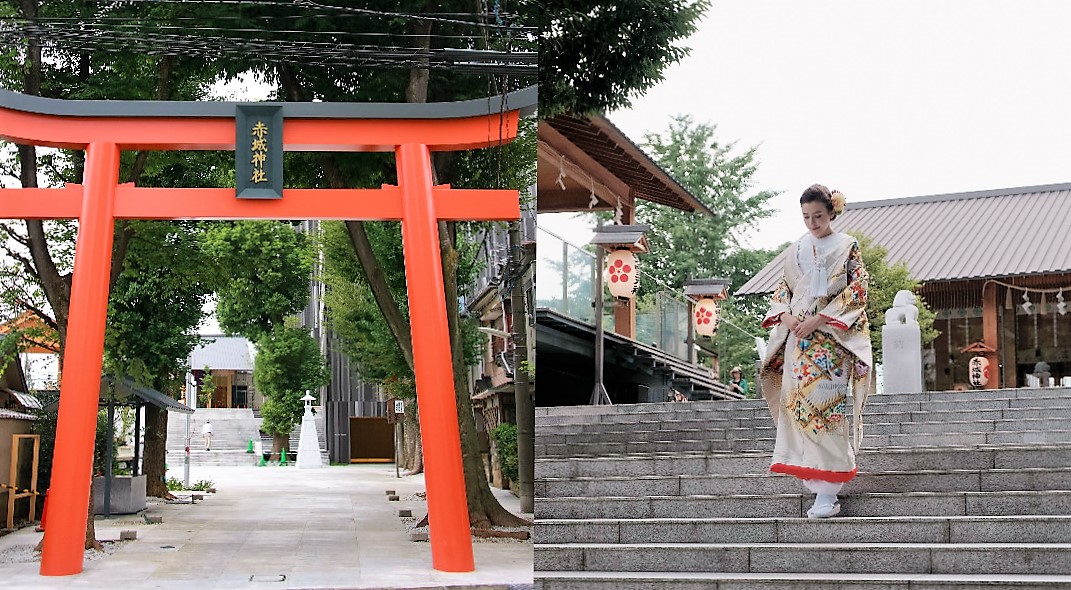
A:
{"x":206,"y":431}
{"x":737,"y":383}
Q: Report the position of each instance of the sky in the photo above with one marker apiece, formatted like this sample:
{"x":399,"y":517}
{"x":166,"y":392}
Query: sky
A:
{"x":877,"y":99}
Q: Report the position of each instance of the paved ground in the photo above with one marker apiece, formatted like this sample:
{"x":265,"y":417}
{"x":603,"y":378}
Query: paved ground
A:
{"x":274,"y":528}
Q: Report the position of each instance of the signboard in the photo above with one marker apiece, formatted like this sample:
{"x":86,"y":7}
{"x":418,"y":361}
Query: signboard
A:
{"x":399,"y":406}
{"x":258,"y":152}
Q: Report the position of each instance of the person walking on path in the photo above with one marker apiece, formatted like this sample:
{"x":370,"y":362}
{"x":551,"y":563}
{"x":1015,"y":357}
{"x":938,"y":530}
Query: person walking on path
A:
{"x":819,"y":348}
{"x":206,"y":431}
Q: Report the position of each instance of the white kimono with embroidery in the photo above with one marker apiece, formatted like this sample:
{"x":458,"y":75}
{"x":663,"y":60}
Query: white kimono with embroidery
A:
{"x":806,"y":381}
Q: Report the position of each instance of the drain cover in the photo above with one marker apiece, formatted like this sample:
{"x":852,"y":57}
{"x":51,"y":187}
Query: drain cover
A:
{"x":267,"y":578}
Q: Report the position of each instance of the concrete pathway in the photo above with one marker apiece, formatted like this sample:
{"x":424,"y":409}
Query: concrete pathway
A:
{"x":280,"y":528}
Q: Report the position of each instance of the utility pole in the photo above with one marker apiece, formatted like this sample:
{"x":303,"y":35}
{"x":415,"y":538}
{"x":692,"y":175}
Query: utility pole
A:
{"x":520,"y":263}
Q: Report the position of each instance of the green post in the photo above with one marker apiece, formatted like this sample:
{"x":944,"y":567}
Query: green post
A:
{"x":282,"y":457}
{"x":249,"y":449}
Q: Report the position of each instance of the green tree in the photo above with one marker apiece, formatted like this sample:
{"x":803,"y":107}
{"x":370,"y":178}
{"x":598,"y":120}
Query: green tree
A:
{"x":154,"y":309}
{"x":885,"y":281}
{"x":598,"y":56}
{"x":288,"y":363}
{"x":689,"y":245}
{"x":265,"y":267}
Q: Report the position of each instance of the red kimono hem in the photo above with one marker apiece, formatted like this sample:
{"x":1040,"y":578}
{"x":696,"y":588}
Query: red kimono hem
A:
{"x":812,"y":473}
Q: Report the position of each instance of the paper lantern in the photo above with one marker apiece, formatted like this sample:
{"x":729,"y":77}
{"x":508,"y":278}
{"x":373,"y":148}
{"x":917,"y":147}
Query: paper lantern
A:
{"x":621,"y":274}
{"x":979,"y":371}
{"x":706,"y":317}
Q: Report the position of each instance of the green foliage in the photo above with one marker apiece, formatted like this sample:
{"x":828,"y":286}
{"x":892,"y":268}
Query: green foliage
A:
{"x":265,"y":267}
{"x":44,"y":425}
{"x":885,"y":281}
{"x":156,"y":304}
{"x":695,"y":245}
{"x":598,"y":56}
{"x":175,"y":484}
{"x":203,"y":485}
{"x":505,"y":436}
{"x":288,"y":363}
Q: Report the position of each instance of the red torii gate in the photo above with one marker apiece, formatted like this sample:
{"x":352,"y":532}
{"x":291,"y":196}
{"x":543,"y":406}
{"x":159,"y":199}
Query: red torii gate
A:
{"x":411,"y":131}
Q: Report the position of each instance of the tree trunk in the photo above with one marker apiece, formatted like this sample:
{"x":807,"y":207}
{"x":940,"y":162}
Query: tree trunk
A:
{"x":278,"y":443}
{"x":156,"y":452}
{"x":414,"y":452}
{"x":484,"y":509}
{"x":520,"y":263}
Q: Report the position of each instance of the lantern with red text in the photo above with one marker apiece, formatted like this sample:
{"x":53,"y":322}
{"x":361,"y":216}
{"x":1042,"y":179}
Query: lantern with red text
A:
{"x":978,"y":368}
{"x":621,"y":274}
{"x":705,"y":317}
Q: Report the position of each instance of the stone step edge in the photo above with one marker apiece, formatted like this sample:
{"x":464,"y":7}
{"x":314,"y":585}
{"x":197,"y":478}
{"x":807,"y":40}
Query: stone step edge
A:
{"x":813,"y":546}
{"x":866,"y":424}
{"x":914,"y":449}
{"x":875,"y":495}
{"x":797,"y":519}
{"x":835,"y":578}
{"x":865,"y":436}
{"x":1024,"y":470}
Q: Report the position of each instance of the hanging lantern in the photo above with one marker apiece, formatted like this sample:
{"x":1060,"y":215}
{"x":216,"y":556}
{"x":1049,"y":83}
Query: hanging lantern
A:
{"x":979,"y":371}
{"x":706,"y":317}
{"x":621,"y":274}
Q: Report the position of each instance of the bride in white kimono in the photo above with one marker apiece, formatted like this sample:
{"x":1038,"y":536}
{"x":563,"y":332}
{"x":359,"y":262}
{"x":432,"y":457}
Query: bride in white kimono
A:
{"x":819,"y":349}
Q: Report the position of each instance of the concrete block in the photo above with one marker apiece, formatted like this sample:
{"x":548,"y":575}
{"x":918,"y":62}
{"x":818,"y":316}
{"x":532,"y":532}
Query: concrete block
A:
{"x":730,"y":531}
{"x":391,"y":492}
{"x":558,"y":558}
{"x":392,"y":498}
{"x":579,"y":531}
{"x":856,"y":530}
{"x":593,"y":508}
{"x":1025,"y":479}
{"x":1001,"y":560}
{"x":405,"y":513}
{"x":129,"y":535}
{"x":1027,"y":529}
{"x":417,"y":537}
{"x":841,"y":559}
{"x":1018,"y":503}
{"x":196,"y":497}
{"x":153,"y":519}
{"x":654,"y":558}
{"x":727,"y":507}
{"x":912,"y":504}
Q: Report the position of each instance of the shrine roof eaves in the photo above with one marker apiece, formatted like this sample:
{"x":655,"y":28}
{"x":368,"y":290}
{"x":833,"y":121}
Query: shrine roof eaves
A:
{"x":524,"y":101}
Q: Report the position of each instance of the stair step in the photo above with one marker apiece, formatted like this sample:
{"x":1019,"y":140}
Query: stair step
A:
{"x":621,"y":580}
{"x":1054,"y":502}
{"x":888,"y":459}
{"x":976,"y":480}
{"x":885,"y":558}
{"x":902,"y":529}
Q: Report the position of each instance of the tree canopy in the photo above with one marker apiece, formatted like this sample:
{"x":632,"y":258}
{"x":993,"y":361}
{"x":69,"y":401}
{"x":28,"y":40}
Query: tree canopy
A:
{"x":597,"y":56}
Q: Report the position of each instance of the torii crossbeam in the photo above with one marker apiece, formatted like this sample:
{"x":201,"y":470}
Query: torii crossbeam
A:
{"x":411,"y":131}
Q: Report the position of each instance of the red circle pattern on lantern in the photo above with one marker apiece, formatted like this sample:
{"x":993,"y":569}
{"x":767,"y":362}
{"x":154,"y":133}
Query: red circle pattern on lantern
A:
{"x":705,"y":318}
{"x":621,"y":273}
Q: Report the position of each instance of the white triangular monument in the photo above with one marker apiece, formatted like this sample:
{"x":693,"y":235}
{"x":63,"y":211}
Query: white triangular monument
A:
{"x":308,"y":454}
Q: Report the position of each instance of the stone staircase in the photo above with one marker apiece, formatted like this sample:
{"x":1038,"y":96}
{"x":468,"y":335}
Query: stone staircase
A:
{"x":956,"y":490}
{"x":231,"y":431}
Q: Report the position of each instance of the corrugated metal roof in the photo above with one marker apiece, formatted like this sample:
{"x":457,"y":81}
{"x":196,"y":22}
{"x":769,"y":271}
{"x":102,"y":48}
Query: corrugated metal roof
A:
{"x":13,"y":415}
{"x":26,"y":400}
{"x":222,"y":352}
{"x":998,"y":233}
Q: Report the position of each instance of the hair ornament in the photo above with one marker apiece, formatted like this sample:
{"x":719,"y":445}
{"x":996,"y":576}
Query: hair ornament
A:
{"x":838,"y":202}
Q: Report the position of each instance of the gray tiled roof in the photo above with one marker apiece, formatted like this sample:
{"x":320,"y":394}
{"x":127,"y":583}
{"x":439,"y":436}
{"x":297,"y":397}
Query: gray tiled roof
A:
{"x":222,"y":352}
{"x":998,"y":233}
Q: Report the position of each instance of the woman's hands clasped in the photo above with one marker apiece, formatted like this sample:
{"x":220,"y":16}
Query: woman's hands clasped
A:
{"x":802,"y":329}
